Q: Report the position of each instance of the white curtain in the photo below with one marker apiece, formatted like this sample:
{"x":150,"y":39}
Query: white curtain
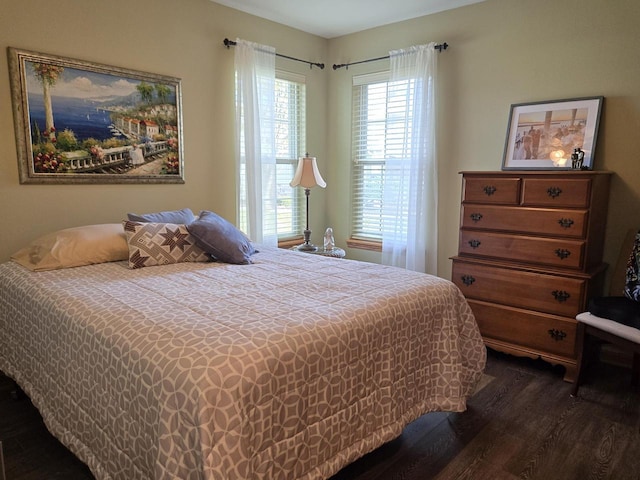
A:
{"x":410,"y":187}
{"x":255,"y":136}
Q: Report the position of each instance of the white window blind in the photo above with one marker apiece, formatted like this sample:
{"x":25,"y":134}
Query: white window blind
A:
{"x":290,"y":135}
{"x":379,"y":129}
{"x":290,"y":144}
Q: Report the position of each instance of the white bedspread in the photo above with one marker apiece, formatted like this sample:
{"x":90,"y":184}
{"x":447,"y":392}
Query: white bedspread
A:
{"x":290,"y":368}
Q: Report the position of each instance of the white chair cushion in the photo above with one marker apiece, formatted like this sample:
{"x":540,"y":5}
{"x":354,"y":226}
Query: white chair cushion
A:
{"x":615,"y":328}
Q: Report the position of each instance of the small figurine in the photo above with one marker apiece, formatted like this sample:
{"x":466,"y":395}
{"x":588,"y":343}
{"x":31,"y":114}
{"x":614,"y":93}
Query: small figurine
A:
{"x":577,"y":158}
{"x":329,"y":242}
{"x":581,"y":160}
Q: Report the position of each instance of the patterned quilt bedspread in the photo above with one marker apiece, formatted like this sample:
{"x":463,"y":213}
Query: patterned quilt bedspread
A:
{"x":289,"y":368}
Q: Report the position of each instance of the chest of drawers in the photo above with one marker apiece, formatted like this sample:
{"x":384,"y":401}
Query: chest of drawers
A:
{"x":530,"y":257}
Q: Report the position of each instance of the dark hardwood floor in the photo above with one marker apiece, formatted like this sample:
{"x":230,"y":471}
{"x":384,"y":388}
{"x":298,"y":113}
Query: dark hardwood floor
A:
{"x":523,"y":424}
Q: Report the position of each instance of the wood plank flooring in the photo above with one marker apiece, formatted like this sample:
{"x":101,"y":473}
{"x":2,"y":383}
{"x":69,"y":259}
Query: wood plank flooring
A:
{"x":523,"y":424}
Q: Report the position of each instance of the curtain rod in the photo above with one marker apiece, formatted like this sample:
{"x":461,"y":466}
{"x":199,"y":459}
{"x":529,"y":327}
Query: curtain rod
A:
{"x":229,"y":43}
{"x":439,"y":47}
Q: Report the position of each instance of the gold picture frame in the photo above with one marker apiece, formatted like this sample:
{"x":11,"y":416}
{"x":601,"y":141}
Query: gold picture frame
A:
{"x":83,"y":122}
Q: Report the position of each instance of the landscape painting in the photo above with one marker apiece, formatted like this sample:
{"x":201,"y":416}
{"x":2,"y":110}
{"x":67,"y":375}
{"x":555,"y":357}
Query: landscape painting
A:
{"x":82,"y":122}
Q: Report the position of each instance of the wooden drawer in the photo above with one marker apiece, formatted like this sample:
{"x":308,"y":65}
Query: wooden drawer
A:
{"x":550,"y":333}
{"x":544,"y":292}
{"x":542,"y":221}
{"x":557,"y":192}
{"x":533,"y":250}
{"x":491,"y":190}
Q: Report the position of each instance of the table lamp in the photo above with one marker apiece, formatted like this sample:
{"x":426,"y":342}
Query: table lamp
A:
{"x":307,"y":176}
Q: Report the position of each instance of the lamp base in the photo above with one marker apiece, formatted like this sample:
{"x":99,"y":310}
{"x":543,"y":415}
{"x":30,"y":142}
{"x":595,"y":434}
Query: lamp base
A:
{"x":307,"y":247}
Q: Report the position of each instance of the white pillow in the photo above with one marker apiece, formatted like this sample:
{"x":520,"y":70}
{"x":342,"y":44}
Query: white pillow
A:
{"x":74,"y":247}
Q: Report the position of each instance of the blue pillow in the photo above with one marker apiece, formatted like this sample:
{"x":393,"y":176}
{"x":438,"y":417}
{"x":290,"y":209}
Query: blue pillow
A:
{"x":221,"y":239}
{"x":184,"y":217}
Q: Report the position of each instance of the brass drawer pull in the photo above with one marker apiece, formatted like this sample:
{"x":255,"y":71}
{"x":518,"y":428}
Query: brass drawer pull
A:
{"x":474,"y":243}
{"x":468,"y":280}
{"x":476,"y":217}
{"x":557,"y":335}
{"x":565,"y":222}
{"x":489,"y":190}
{"x":554,"y":192}
{"x":561,"y":295}
{"x":562,"y":253}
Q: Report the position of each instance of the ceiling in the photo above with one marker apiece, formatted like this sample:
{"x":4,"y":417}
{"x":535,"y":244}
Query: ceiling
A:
{"x":333,"y":18}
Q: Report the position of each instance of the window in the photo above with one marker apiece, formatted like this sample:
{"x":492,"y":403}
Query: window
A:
{"x":290,"y":144}
{"x":290,"y":135}
{"x":379,"y":129}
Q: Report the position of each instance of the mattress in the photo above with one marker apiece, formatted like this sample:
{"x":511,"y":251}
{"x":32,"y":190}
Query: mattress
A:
{"x":289,"y":368}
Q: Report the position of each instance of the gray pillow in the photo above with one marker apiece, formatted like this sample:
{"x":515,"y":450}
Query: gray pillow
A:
{"x":221,"y":239}
{"x":184,"y":217}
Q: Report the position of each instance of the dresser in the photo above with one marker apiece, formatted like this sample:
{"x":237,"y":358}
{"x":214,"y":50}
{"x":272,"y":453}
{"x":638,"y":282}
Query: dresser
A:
{"x":530,"y":257}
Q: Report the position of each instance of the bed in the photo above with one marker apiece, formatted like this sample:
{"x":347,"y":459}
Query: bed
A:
{"x":289,"y":367}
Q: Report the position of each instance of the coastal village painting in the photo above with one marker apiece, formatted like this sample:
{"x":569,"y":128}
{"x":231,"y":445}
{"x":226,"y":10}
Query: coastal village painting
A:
{"x":80,"y":122}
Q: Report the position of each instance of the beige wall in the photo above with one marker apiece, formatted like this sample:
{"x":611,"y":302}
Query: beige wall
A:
{"x":501,"y":52}
{"x":181,"y":39}
{"x":504,"y":52}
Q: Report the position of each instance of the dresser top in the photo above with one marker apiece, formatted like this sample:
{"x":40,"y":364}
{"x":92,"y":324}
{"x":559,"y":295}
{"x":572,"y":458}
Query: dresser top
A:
{"x":512,"y":173}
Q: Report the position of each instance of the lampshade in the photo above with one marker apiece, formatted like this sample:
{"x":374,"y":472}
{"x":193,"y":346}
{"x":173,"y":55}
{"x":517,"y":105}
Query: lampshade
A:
{"x":307,"y":174}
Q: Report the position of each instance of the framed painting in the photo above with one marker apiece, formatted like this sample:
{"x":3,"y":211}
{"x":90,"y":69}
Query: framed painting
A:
{"x":559,"y":134}
{"x":83,"y":122}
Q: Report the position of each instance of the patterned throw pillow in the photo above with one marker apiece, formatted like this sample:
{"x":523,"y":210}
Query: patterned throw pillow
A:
{"x":161,"y":244}
{"x":632,"y":281}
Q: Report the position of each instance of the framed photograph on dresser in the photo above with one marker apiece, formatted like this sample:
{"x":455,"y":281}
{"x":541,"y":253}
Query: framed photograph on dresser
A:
{"x":545,"y":135}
